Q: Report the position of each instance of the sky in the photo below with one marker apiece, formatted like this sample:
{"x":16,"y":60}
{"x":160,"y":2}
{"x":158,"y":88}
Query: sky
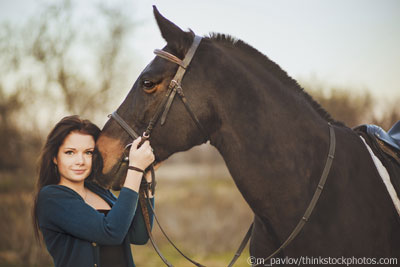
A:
{"x":340,"y":43}
{"x":345,"y":43}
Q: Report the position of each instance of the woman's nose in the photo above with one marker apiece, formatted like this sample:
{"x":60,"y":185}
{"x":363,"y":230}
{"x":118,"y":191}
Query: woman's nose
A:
{"x":80,"y":160}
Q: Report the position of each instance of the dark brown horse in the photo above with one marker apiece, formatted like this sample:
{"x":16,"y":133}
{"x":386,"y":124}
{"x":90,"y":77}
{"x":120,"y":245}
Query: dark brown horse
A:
{"x":274,"y":139}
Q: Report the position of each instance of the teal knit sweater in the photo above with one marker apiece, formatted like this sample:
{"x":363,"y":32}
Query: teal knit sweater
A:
{"x":73,"y":230}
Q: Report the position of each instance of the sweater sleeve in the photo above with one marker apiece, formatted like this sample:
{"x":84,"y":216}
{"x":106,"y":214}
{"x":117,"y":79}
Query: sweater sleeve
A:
{"x":138,"y":233}
{"x":63,"y":211}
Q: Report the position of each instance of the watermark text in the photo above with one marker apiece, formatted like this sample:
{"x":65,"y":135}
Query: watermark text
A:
{"x":305,"y":260}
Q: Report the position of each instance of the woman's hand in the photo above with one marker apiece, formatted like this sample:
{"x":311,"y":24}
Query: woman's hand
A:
{"x":141,"y":157}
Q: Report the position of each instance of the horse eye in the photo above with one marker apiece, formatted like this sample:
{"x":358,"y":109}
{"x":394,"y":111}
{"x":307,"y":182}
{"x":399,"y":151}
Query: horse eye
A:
{"x":148,"y":84}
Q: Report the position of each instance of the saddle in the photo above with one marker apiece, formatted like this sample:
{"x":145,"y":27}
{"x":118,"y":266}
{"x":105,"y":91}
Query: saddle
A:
{"x":391,"y":138}
{"x":386,"y":146}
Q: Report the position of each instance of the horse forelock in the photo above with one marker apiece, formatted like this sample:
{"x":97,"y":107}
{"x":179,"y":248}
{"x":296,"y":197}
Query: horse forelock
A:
{"x":274,"y":69}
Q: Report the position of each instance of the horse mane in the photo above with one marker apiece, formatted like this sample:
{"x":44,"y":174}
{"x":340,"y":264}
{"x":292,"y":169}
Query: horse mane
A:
{"x":275,"y":69}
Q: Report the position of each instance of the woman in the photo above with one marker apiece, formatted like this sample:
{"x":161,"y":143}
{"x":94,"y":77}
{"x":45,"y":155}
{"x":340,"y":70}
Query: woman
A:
{"x":82,"y":224}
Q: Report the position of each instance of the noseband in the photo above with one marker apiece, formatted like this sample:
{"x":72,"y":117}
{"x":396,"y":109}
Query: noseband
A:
{"x":174,"y":87}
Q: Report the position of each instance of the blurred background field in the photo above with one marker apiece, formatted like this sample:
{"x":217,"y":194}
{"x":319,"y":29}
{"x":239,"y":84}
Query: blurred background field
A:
{"x":205,"y":215}
{"x":56,"y":64}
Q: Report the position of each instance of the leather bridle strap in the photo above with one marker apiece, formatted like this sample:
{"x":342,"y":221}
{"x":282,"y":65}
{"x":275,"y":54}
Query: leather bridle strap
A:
{"x":124,"y":125}
{"x":179,"y":90}
{"x":169,"y":57}
{"x":159,"y":109}
{"x":317,"y":193}
{"x":175,"y":84}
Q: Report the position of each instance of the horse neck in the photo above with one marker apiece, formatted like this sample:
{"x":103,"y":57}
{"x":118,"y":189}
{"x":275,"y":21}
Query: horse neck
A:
{"x":274,"y":144}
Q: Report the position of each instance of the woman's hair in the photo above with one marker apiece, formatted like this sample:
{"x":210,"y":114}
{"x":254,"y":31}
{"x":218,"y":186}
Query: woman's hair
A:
{"x":48,"y":171}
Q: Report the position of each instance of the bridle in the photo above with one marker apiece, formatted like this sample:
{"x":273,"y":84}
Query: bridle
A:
{"x":162,"y":111}
{"x":174,"y":88}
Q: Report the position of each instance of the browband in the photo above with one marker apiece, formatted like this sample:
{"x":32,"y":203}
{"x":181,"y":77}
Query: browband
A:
{"x":189,"y":55}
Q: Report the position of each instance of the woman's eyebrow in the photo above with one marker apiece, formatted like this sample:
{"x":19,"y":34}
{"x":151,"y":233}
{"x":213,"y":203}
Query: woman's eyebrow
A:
{"x":74,"y":148}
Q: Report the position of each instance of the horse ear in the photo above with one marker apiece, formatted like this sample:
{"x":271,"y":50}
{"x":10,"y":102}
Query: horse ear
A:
{"x":175,"y":37}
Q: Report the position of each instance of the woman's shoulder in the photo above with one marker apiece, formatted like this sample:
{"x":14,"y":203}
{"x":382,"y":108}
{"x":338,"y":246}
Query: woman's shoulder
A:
{"x":53,"y":190}
{"x":54,"y":198}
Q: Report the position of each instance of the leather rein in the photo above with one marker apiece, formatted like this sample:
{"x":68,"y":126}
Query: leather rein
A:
{"x":161,"y":112}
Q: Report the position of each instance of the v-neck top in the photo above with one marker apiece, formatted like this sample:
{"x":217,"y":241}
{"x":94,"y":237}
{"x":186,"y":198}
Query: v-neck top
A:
{"x":74,"y":231}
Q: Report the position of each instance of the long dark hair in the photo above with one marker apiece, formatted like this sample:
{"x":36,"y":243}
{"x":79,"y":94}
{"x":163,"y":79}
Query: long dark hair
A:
{"x":48,"y":172}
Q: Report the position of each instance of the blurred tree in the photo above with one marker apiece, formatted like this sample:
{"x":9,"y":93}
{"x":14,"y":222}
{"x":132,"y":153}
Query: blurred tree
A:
{"x":70,"y":62}
{"x":81,"y":64}
{"x":391,"y":115}
{"x":353,"y":107}
{"x":9,"y":105}
{"x":344,"y":106}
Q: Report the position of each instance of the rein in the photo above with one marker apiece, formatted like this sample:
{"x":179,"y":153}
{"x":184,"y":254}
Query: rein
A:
{"x":314,"y":200}
{"x":161,"y":112}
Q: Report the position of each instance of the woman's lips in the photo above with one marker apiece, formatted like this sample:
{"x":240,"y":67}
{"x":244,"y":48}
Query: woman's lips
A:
{"x":78,"y":171}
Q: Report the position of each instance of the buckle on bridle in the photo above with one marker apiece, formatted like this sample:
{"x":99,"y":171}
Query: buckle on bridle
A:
{"x":173,"y":84}
{"x":145,"y":137}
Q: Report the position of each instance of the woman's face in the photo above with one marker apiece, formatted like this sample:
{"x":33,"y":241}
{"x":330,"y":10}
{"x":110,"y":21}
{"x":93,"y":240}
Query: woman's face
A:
{"x":74,"y":157}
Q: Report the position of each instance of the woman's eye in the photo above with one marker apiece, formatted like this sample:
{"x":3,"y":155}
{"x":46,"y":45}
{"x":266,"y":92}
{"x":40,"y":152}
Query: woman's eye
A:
{"x":89,"y":152}
{"x":69,"y":152}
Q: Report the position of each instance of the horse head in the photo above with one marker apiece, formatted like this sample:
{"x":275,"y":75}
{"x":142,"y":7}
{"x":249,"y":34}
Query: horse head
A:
{"x":179,"y":132}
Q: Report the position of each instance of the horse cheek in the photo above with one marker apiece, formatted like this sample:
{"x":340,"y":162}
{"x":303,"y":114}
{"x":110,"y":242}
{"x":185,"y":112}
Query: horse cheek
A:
{"x":111,"y":151}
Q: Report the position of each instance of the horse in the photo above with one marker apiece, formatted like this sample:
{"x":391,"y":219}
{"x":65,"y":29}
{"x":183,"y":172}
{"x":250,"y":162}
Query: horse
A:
{"x":274,"y":138}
